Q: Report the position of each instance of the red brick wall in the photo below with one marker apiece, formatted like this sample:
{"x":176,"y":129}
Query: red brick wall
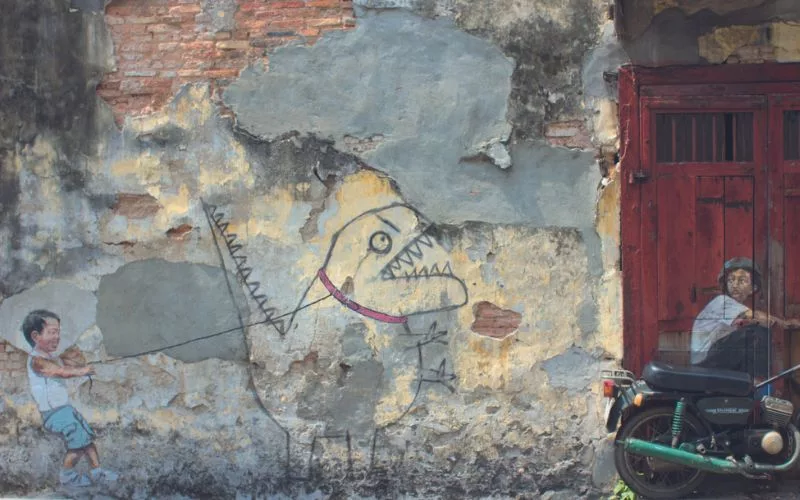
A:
{"x":161,"y":44}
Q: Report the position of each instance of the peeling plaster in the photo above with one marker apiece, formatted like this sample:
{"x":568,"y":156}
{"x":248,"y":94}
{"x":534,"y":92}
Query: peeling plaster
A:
{"x":457,"y":78}
{"x":786,"y":39}
{"x":722,"y":42}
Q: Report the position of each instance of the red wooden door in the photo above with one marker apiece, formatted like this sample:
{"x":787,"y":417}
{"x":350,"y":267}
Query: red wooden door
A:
{"x":784,"y":154}
{"x":710,"y":163}
{"x":704,"y":202}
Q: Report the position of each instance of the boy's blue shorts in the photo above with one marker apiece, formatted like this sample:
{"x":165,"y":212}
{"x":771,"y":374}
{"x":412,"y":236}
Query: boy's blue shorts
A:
{"x":66,"y":420}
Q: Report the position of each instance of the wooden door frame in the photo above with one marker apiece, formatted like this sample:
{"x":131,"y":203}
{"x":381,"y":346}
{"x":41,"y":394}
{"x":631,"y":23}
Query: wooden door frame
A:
{"x":635,"y":83}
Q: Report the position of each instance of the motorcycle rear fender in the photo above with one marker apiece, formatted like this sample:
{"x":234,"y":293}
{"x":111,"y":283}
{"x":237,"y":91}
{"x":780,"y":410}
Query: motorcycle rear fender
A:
{"x":622,"y":403}
{"x":624,"y":407}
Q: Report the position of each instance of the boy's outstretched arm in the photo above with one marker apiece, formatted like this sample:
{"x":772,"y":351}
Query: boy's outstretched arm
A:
{"x":73,"y":357}
{"x":47,"y":368}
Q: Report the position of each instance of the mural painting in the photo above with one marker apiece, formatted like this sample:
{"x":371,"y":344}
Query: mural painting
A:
{"x":263,"y":303}
{"x":385,"y":265}
{"x":730,"y":334}
{"x":47,"y":373}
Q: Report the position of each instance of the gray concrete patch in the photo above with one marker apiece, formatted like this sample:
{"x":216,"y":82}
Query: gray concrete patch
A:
{"x":561,"y":370}
{"x":427,"y":8}
{"x":221,"y":13}
{"x":437,"y":95}
{"x":397,"y":74}
{"x":151,"y":304}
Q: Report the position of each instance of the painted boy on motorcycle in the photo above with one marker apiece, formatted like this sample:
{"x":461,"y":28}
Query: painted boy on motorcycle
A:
{"x":728,"y":333}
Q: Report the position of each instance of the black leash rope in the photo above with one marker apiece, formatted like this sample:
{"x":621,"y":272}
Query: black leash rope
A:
{"x":209,"y":336}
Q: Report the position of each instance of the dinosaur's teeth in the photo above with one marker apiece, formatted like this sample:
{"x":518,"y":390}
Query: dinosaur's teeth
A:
{"x":414,"y":250}
{"x":425,"y":240}
{"x":412,"y":274}
{"x":395,"y":265}
{"x":406,"y":258}
{"x":435,"y":270}
{"x":387,"y":274}
{"x":424,"y":271}
{"x":447,"y":271}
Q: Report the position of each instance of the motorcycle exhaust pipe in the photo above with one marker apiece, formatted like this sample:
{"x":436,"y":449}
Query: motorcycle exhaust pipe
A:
{"x":710,"y":464}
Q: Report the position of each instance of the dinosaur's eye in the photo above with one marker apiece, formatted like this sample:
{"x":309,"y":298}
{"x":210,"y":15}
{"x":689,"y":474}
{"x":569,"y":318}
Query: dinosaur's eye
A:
{"x":380,"y":242}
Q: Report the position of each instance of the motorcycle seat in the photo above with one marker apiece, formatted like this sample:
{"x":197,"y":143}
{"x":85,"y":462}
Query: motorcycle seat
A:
{"x":697,"y":379}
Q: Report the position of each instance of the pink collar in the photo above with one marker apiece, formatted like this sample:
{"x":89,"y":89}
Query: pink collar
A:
{"x":355,"y":306}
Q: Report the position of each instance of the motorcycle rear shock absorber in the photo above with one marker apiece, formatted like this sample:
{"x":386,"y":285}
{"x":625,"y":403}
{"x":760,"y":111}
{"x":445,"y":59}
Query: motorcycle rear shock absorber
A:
{"x":677,"y":421}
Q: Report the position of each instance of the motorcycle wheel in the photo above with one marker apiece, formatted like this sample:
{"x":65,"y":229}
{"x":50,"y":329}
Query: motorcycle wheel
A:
{"x":651,"y":477}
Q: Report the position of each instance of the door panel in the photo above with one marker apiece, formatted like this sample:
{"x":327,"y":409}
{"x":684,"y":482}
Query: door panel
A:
{"x":791,"y":245}
{"x":703,"y":222}
{"x":706,"y":167}
{"x":710,"y":240}
{"x":675,"y":246}
{"x":717,"y":148}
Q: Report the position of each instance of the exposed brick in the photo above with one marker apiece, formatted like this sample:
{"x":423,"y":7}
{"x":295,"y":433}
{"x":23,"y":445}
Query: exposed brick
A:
{"x":287,"y":5}
{"x":249,"y":6}
{"x":161,"y":28}
{"x":568,"y":134}
{"x":326,"y":21}
{"x":299,"y":14}
{"x":563,"y":129}
{"x":140,"y":73}
{"x":323,"y":3}
{"x":222,"y":73}
{"x":233,"y":44}
{"x":308,"y":32}
{"x":162,"y":44}
{"x":140,"y":38}
{"x":141,"y":20}
{"x":191,"y":72}
{"x":179,"y":232}
{"x":123,"y":29}
{"x":185,"y":9}
{"x":167,"y":46}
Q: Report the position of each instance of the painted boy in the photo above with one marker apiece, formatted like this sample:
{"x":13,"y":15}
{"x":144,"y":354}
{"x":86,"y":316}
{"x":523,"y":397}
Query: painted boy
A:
{"x":729,"y":334}
{"x":47,"y":373}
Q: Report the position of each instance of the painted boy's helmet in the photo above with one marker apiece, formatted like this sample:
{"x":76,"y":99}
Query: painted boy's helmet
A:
{"x":740,"y":263}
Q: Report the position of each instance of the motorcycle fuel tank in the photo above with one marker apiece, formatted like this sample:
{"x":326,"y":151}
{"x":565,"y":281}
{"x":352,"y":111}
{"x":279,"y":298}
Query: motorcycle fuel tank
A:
{"x":726,"y":410}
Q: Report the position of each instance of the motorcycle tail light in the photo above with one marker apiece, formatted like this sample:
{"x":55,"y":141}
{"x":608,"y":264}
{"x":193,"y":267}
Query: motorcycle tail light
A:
{"x":608,"y":388}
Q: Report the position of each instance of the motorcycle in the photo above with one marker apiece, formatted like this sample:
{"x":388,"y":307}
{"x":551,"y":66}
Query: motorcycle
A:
{"x":677,"y":424}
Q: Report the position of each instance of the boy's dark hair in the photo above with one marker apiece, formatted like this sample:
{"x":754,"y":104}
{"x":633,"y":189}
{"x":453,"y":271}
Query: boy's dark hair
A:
{"x":740,"y":263}
{"x":35,"y":321}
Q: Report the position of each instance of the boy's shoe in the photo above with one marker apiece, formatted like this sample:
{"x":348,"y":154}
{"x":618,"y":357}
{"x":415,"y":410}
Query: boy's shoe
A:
{"x":101,"y":474}
{"x":72,"y":478}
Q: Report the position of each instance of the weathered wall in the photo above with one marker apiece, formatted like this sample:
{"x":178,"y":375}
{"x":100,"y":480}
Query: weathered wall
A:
{"x":663,"y":32}
{"x":447,"y":165}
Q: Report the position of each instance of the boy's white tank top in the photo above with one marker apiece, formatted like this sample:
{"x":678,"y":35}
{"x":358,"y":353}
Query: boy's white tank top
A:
{"x":48,"y":392}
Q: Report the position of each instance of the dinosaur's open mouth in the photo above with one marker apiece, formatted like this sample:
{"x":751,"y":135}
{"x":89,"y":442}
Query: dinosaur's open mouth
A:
{"x":409,"y":262}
